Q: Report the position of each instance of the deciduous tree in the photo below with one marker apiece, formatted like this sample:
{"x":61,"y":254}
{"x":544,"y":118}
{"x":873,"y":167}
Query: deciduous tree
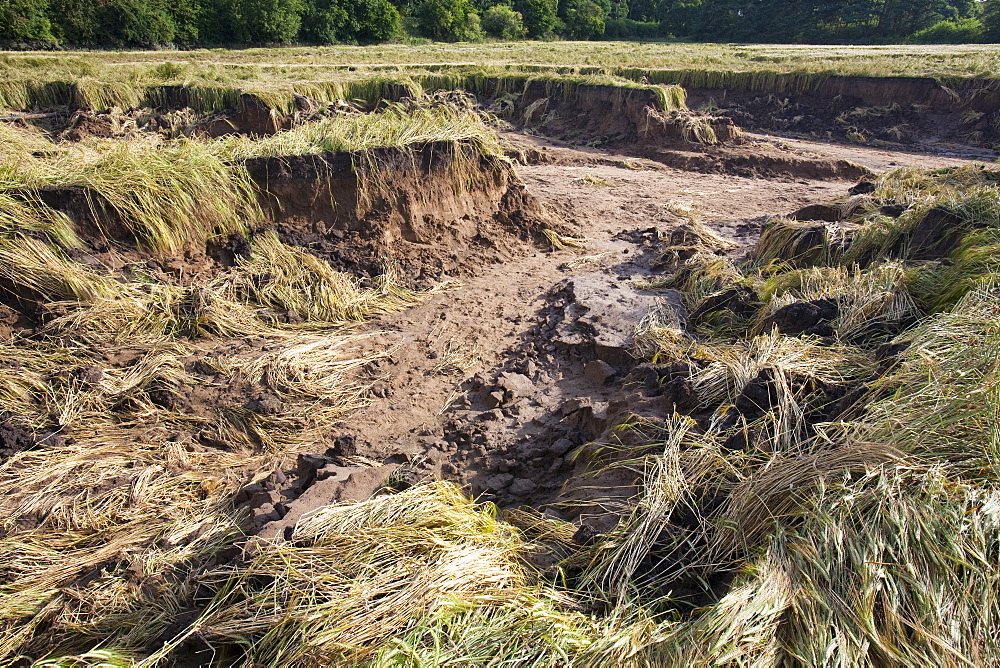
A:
{"x":540,"y":17}
{"x":584,"y":19}
{"x":25,"y":21}
{"x":502,"y":22}
{"x":448,"y":20}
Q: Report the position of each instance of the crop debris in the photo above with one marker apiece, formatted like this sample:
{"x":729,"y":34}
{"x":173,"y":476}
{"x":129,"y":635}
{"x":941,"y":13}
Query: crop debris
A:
{"x":707,"y":443}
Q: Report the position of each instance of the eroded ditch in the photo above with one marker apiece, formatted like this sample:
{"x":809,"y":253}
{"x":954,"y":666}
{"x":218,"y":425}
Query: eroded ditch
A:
{"x":533,"y":386}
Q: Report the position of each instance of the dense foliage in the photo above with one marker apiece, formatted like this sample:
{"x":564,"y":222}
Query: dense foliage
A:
{"x":145,"y":23}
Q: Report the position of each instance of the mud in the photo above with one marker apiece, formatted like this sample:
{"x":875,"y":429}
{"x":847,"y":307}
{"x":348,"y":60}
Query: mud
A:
{"x":760,"y":161}
{"x":15,"y":438}
{"x":555,"y":372}
{"x":518,"y":382}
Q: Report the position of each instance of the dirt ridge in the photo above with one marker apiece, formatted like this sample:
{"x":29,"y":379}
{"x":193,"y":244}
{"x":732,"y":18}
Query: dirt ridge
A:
{"x":903,"y":111}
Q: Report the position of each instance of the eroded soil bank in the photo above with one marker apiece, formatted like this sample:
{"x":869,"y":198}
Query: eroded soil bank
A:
{"x":500,"y":384}
{"x":957,"y":117}
{"x":509,"y":383}
{"x":920,"y":113}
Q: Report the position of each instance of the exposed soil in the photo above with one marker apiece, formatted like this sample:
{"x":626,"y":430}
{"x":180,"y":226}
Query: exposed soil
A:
{"x":896,"y":112}
{"x":500,"y":385}
{"x":915,"y":113}
{"x":15,"y":438}
{"x":438,"y":211}
{"x":435,"y":212}
{"x":600,"y":115}
{"x":509,"y":383}
{"x":496,"y":382}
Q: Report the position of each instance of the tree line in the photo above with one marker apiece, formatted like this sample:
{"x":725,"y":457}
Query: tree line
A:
{"x":151,"y":23}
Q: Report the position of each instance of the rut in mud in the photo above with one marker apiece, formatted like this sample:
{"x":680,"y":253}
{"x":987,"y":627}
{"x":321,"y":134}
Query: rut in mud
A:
{"x":501,"y":384}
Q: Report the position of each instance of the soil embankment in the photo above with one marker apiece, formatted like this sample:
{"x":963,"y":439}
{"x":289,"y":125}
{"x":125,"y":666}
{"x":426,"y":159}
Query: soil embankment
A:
{"x":499,"y":385}
{"x":902,"y":111}
{"x":440,"y":208}
{"x":432,"y":210}
{"x":510,"y":386}
{"x":919,"y":112}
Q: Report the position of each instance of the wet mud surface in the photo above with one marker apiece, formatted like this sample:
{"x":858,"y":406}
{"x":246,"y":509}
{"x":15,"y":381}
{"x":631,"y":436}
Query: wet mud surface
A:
{"x":506,"y":384}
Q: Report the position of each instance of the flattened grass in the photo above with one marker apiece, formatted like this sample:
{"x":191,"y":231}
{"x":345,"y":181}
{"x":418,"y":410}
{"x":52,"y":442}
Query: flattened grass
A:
{"x":943,"y":403}
{"x":357,"y":580}
{"x":722,"y":65}
{"x":113,"y":528}
{"x":392,"y":127}
{"x":166,"y":195}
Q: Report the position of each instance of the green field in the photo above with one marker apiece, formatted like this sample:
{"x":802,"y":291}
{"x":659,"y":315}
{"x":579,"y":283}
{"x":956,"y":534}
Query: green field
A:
{"x":315,"y":62}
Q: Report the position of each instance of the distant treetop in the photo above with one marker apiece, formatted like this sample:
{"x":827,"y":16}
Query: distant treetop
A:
{"x":151,"y":23}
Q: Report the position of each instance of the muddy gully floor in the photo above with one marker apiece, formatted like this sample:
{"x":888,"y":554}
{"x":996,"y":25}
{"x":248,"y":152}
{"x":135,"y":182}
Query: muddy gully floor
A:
{"x":496,"y":383}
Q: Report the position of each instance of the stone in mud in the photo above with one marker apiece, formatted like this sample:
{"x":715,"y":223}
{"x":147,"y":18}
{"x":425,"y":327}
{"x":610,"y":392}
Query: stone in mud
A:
{"x":652,"y":377}
{"x":829,"y":213}
{"x":893,"y":210}
{"x":266,"y":404}
{"x":572,"y":405}
{"x":264,"y":514}
{"x":586,"y":416}
{"x":586,"y":535}
{"x":90,"y":376}
{"x":518,"y":385}
{"x":263,"y":497}
{"x":758,"y":396}
{"x":492,"y":400}
{"x":13,"y":438}
{"x":345,"y":445}
{"x":244,"y":495}
{"x":645,"y":375}
{"x":560,"y":447}
{"x":862,"y":188}
{"x":498,"y":482}
{"x":600,"y":315}
{"x":804,"y":317}
{"x":522,"y":487}
{"x":306,"y":467}
{"x":740,"y":301}
{"x":680,"y":393}
{"x":598,"y":371}
{"x":936,"y":234}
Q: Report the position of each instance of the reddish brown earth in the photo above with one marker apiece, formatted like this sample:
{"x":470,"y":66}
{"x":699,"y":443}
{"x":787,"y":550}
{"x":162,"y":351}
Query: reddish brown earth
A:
{"x":435,"y":210}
